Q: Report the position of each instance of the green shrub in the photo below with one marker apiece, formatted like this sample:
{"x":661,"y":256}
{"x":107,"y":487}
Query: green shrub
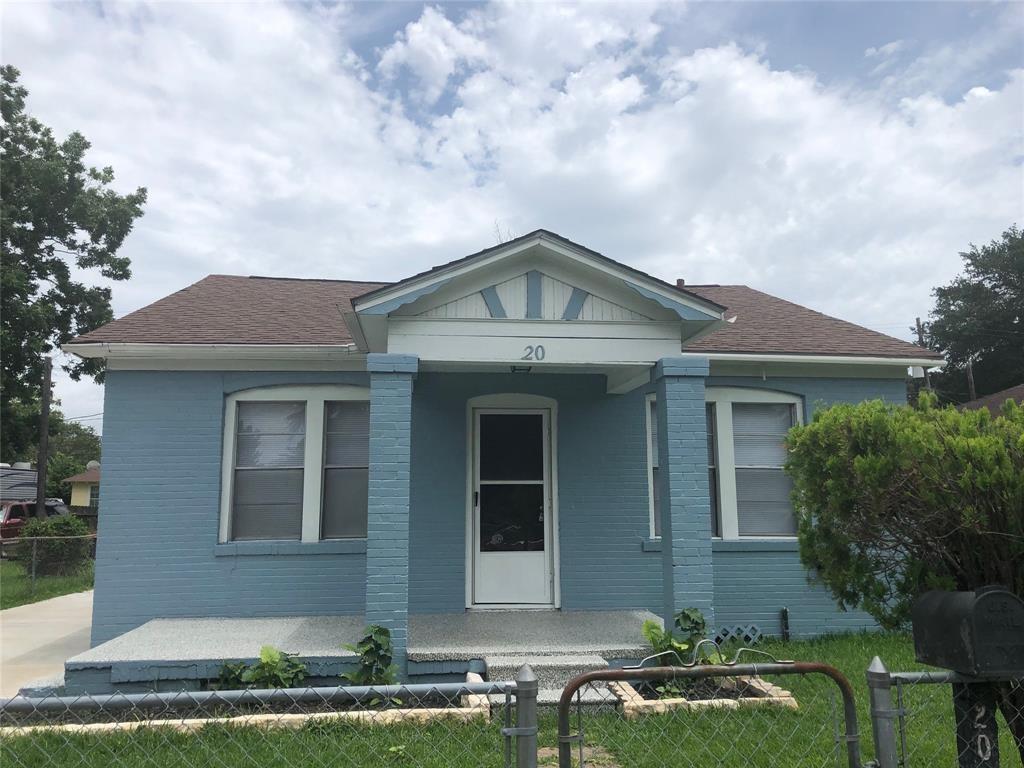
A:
{"x":895,"y":500}
{"x":275,"y":669}
{"x":375,"y":656}
{"x":54,"y":557}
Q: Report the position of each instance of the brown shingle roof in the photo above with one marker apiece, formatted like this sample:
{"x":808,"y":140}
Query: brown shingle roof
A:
{"x":230,"y":309}
{"x":994,"y":402}
{"x":88,"y":476}
{"x":226,"y":309}
{"x":769,"y":325}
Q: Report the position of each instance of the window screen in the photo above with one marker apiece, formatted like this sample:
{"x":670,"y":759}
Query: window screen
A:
{"x":269,"y":455}
{"x":709,"y":413}
{"x":763,"y":504}
{"x":652,"y":416}
{"x":346,"y":469}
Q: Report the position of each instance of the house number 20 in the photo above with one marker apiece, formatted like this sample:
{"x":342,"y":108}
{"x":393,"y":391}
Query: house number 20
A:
{"x":533,"y":352}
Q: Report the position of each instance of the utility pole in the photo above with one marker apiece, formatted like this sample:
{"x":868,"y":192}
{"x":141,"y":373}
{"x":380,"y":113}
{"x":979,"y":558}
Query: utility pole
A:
{"x":920,"y":342}
{"x":970,"y":380}
{"x":44,"y":438}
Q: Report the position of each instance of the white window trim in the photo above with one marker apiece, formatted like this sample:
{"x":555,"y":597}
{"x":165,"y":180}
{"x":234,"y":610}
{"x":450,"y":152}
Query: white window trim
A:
{"x":650,"y":400}
{"x":314,"y":396}
{"x":722,"y":398}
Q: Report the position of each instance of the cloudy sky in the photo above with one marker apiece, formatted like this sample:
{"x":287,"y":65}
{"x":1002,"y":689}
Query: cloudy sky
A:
{"x":838,"y":155}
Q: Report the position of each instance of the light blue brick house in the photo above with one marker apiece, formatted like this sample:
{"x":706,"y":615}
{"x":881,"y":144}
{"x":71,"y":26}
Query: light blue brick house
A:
{"x":532,"y":427}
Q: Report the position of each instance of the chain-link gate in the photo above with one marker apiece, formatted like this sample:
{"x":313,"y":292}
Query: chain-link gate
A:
{"x":923,"y":720}
{"x":771,"y":715}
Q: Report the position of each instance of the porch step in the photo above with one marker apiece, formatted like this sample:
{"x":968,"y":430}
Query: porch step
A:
{"x":552,"y":671}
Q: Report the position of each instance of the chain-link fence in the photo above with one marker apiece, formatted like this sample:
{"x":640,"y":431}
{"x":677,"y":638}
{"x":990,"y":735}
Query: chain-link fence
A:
{"x":414,"y":725}
{"x":937,"y":719}
{"x":36,"y":560}
{"x":772,"y":715}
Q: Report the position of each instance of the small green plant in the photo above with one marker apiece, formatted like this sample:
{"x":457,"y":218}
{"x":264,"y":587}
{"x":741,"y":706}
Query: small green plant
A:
{"x":397,"y":753}
{"x":375,"y":656}
{"x":665,"y":645}
{"x":54,"y":556}
{"x":674,"y":648}
{"x":230,"y":678}
{"x":275,"y":669}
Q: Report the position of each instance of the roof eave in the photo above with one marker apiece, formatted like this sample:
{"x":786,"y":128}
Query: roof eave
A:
{"x":143,"y":350}
{"x":796,"y":357}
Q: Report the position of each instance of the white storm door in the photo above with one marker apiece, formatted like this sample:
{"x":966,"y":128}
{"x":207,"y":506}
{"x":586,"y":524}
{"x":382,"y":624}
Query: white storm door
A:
{"x":512,"y":562}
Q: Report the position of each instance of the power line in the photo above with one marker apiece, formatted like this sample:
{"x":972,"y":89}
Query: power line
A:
{"x":83,"y":418}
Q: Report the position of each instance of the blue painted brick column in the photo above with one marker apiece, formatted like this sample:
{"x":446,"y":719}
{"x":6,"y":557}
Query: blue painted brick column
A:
{"x":387,"y":532}
{"x":687,"y":569}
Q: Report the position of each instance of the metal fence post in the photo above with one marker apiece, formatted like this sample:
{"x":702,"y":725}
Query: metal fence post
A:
{"x":883,"y":716}
{"x":526,"y":718}
{"x":32,"y":589}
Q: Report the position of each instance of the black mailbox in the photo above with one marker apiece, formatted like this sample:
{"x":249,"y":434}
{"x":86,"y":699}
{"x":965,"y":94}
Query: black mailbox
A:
{"x":978,"y":633}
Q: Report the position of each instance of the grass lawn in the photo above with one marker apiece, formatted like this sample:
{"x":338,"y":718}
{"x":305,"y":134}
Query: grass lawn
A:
{"x":16,"y":585}
{"x":728,"y":738}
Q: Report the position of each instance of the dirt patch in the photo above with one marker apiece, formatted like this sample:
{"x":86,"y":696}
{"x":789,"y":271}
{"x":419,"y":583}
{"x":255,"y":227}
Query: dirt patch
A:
{"x":592,"y":756}
{"x":701,"y":689}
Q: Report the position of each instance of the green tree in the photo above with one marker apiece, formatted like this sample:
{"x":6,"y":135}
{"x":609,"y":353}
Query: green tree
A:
{"x":59,"y":467}
{"x":58,"y":217}
{"x":76,"y":441}
{"x":895,"y":500}
{"x":979,"y":318}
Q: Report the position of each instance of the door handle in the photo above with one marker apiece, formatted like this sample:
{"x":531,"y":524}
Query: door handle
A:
{"x":476,"y":499}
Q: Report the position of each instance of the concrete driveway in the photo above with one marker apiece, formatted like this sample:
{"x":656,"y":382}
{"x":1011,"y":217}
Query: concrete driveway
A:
{"x":36,"y":639}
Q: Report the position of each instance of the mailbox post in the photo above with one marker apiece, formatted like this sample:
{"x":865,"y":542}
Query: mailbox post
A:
{"x":979,"y":635}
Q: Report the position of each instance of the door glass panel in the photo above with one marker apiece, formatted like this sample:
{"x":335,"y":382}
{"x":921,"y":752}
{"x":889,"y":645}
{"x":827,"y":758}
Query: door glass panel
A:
{"x":512,"y":518}
{"x":511,"y":446}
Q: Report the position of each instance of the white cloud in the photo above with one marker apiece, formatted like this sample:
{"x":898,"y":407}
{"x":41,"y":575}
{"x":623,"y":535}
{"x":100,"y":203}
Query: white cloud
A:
{"x":885,"y":51}
{"x":271,"y":147}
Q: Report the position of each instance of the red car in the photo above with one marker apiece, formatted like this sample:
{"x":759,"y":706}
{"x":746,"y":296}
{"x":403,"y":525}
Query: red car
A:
{"x":14,"y":514}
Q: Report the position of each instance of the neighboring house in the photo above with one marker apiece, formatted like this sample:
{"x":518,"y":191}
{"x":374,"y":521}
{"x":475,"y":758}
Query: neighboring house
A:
{"x":85,"y":486}
{"x":994,"y":402}
{"x":17,"y":482}
{"x":534,"y":426}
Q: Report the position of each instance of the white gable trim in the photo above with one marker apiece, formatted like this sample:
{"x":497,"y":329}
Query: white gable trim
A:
{"x":390,"y":299}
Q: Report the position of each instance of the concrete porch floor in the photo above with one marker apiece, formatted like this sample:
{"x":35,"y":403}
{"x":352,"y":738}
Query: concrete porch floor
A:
{"x":478,"y":634}
{"x":175,"y":653}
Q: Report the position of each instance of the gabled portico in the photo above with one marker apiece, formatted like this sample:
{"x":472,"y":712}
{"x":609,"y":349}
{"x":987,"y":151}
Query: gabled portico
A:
{"x":525,"y":323}
{"x":539,"y":303}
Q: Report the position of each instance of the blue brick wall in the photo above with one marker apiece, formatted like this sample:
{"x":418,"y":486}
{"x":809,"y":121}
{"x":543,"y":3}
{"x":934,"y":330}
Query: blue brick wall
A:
{"x":387,"y":541}
{"x":161,"y":505}
{"x":162,"y":453}
{"x":754,"y":580}
{"x":683,"y":474}
{"x":822,"y":391}
{"x":603,"y":509}
{"x":603,"y":504}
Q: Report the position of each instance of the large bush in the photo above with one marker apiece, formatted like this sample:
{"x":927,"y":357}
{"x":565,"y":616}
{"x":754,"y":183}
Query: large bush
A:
{"x":895,"y":500}
{"x":54,"y":556}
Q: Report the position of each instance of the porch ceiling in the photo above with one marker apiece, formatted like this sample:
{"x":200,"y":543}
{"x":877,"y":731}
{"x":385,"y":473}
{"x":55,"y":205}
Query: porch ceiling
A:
{"x":476,"y":634}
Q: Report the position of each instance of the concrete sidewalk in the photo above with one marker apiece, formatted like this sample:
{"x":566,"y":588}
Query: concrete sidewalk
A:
{"x":36,"y":639}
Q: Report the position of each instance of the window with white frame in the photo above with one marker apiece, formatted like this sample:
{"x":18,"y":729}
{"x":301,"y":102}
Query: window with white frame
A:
{"x":654,"y":492}
{"x":749,"y":492}
{"x":296,"y":464}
